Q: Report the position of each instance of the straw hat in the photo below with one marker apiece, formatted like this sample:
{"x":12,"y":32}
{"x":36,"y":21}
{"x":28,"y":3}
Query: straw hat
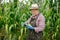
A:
{"x":34,"y":6}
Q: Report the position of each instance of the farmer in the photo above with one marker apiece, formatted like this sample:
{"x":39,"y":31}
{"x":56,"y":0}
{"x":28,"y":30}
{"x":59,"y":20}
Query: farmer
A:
{"x":37,"y":24}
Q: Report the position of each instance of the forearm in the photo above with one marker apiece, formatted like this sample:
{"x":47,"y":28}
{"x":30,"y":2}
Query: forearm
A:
{"x":38,"y":29}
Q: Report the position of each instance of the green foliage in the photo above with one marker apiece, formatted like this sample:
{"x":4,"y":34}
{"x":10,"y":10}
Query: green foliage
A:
{"x":12,"y":15}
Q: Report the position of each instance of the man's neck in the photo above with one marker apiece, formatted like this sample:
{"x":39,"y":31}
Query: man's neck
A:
{"x":35,"y":14}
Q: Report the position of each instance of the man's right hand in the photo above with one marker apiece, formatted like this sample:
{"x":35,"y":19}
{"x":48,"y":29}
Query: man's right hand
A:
{"x":28,"y":26}
{"x":24,"y":24}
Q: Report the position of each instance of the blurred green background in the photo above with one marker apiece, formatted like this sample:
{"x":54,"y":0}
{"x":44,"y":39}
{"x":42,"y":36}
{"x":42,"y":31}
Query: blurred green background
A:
{"x":14,"y":12}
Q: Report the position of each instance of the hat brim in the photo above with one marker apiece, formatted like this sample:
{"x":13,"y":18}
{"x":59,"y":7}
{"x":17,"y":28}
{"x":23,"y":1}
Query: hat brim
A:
{"x":33,"y":8}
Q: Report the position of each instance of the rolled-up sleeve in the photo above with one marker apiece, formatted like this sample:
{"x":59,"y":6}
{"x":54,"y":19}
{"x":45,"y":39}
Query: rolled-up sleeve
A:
{"x":40,"y":23}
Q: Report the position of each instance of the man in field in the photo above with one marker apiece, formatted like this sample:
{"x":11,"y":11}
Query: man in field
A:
{"x":36,"y":24}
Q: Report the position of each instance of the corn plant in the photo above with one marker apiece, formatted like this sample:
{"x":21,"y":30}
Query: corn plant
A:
{"x":12,"y":15}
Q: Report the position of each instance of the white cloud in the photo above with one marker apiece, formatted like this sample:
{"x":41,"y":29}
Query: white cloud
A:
{"x":24,"y":2}
{"x":20,"y":0}
{"x":6,"y":1}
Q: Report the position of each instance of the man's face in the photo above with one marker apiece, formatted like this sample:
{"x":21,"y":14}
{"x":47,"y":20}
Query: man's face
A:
{"x":34,"y":11}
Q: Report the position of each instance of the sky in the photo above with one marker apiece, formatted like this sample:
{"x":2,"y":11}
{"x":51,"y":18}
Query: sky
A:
{"x":11,"y":1}
{"x":24,"y":1}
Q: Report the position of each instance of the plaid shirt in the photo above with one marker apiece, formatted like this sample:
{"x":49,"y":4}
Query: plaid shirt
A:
{"x":40,"y":23}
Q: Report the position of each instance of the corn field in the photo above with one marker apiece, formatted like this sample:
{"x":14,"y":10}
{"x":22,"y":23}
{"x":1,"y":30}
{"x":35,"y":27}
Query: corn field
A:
{"x":13,"y":14}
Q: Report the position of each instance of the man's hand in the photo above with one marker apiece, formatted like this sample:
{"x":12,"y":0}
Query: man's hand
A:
{"x":36,"y":30}
{"x":24,"y":24}
{"x":28,"y":26}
